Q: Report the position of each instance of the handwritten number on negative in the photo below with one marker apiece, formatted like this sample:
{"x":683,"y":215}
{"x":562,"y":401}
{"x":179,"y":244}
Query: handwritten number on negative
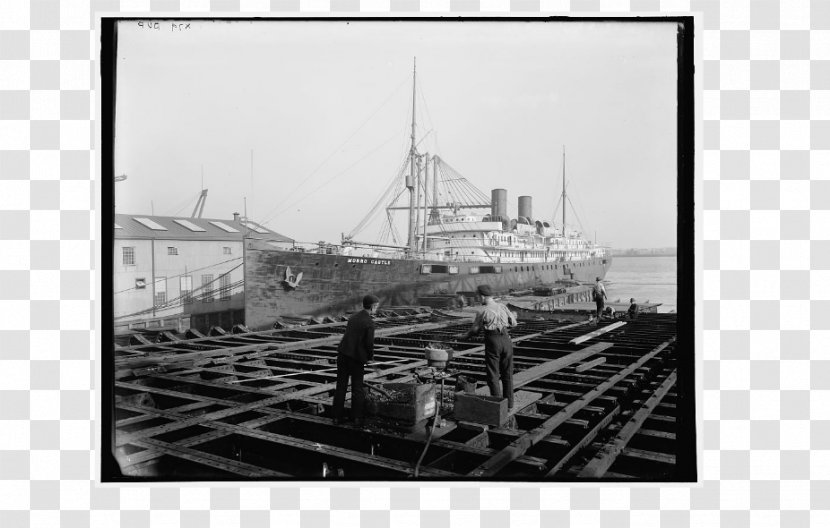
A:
{"x":174,"y":26}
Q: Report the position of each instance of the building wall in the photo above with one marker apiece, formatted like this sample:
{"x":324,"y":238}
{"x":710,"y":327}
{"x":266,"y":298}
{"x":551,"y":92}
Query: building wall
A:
{"x":193,"y":258}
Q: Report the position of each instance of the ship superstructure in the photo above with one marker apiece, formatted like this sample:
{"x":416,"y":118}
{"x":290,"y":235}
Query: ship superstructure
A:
{"x":457,"y":238}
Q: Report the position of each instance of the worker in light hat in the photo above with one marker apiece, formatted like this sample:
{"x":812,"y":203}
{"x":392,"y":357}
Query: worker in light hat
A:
{"x":494,"y":320}
{"x":599,"y":297}
{"x":354,"y":351}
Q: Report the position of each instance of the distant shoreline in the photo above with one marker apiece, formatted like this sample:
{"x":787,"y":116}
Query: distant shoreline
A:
{"x":615,"y":254}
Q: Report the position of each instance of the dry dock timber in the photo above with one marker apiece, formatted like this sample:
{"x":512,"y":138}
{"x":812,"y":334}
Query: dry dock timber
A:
{"x":593,"y":402}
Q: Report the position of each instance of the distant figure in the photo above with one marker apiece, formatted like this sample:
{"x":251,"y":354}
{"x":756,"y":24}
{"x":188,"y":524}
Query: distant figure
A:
{"x":599,"y":297}
{"x":494,"y":320}
{"x":354,"y":351}
{"x":632,"y":309}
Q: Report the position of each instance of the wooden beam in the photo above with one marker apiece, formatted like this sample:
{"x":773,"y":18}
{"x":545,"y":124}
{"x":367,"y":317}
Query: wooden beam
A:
{"x":597,"y":332}
{"x":124,"y":366}
{"x":603,"y":460}
{"x":651,"y":456}
{"x":587,"y":439}
{"x":590,"y":364}
{"x":519,"y":446}
{"x":540,"y":371}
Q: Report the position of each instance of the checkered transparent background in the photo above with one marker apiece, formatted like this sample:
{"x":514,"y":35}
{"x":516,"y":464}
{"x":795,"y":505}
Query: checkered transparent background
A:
{"x":765,"y":407}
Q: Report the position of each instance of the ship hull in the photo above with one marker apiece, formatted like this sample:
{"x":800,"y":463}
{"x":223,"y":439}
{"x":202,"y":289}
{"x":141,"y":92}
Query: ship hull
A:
{"x":334,"y":284}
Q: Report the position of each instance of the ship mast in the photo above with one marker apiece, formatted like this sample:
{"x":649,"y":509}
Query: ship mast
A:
{"x":426,"y":194}
{"x":410,"y":180}
{"x":564,"y":196}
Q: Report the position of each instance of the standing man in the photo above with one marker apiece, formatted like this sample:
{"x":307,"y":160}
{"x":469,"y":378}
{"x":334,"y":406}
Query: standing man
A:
{"x":599,"y":297}
{"x":632,"y":310}
{"x":354,"y":351}
{"x":494,"y":320}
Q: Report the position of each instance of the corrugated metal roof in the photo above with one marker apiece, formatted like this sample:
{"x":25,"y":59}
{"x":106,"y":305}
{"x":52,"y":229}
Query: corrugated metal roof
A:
{"x":131,"y":227}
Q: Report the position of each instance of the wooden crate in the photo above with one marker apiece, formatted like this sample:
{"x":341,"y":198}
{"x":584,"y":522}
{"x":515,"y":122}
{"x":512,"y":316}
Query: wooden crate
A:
{"x":488,"y":410}
{"x":410,"y":402}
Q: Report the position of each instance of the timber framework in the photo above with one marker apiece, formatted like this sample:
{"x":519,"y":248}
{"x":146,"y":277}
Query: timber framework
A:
{"x":592,"y":402}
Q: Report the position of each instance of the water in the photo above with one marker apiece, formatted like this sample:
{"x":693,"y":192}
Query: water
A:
{"x":644,"y":278}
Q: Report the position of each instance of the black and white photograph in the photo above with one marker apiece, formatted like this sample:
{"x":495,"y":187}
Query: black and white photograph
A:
{"x":398,"y":249}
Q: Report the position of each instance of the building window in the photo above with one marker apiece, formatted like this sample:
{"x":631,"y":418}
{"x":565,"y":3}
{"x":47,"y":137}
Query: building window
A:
{"x":186,"y":288}
{"x":128,"y":256}
{"x":207,"y":288}
{"x":172,"y":250}
{"x":161,"y":291}
{"x":225,"y":286}
{"x":226,"y":250}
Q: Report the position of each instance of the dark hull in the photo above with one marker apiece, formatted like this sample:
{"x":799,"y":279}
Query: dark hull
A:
{"x":334,"y":284}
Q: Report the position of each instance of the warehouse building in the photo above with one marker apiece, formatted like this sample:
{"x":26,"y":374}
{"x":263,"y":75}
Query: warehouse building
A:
{"x":179,"y":273}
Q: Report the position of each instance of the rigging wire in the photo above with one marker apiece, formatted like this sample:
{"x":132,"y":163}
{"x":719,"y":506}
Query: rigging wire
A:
{"x":270,"y":214}
{"x":575,"y":196}
{"x":475,"y":194}
{"x":189,"y":272}
{"x":577,"y":216}
{"x":182,"y":301}
{"x":556,"y":210}
{"x":426,"y":109}
{"x":335,"y":176}
{"x":181,"y":205}
{"x":175,"y":302}
{"x":393,"y":185}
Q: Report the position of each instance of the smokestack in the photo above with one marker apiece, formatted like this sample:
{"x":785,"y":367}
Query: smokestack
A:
{"x":525,"y":207}
{"x":499,"y":202}
{"x":236,"y":217}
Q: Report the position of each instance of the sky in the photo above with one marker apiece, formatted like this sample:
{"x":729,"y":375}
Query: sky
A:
{"x":304,"y":124}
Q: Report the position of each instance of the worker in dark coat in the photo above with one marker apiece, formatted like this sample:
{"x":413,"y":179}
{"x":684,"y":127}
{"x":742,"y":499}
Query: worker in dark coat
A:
{"x":494,"y":320}
{"x":354,"y":351}
{"x":633,"y":309}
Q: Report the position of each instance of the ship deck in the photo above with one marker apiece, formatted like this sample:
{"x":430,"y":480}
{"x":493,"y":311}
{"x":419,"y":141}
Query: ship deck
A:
{"x":597,"y":402}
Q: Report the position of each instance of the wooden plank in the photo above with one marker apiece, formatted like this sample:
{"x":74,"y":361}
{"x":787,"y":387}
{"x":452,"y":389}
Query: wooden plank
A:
{"x":618,"y":476}
{"x":519,"y":446}
{"x":262,"y":405}
{"x":654,"y":433}
{"x":252,"y":351}
{"x":606,"y":457}
{"x":320,"y":371}
{"x":207,"y":459}
{"x":522,"y":400}
{"x":651,"y":456}
{"x":246,"y":429}
{"x":590,"y":364}
{"x":531,"y":463}
{"x":549,"y":367}
{"x":587,"y":439}
{"x":596,"y":333}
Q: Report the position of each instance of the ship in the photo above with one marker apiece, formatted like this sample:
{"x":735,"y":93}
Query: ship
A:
{"x":457,"y":239}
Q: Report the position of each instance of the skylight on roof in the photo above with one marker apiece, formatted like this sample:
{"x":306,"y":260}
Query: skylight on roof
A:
{"x":189,"y":225}
{"x":118,"y":226}
{"x":146,"y":222}
{"x":225,"y":227}
{"x":256,"y":228}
